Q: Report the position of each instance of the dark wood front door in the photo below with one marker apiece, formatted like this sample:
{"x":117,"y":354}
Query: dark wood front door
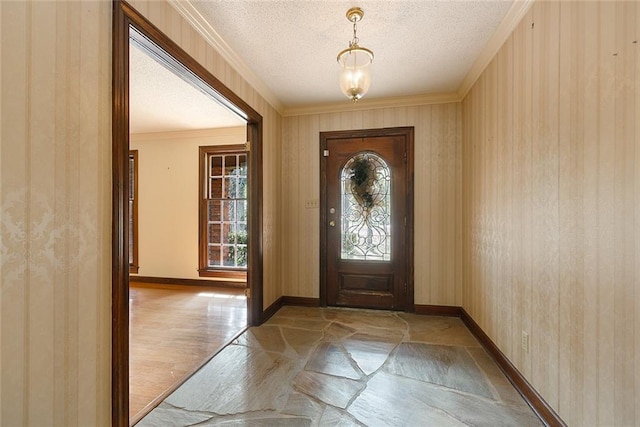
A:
{"x":367,"y":218}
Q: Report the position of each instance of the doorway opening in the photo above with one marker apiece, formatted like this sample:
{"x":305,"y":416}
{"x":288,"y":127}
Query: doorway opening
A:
{"x":127,"y":22}
{"x":366,"y":219}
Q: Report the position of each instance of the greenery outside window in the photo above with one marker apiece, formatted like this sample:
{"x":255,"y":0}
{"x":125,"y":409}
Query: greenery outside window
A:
{"x":223,"y":211}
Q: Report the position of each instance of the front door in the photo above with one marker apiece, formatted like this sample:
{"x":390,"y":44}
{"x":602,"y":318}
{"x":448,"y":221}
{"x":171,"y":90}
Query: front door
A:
{"x":366,"y":218}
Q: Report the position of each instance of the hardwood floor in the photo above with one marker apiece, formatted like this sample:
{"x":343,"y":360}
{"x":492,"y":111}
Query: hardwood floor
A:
{"x":174,"y":330}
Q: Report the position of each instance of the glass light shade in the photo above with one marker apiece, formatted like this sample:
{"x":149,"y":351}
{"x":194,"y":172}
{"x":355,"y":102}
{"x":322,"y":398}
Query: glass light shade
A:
{"x":355,"y":73}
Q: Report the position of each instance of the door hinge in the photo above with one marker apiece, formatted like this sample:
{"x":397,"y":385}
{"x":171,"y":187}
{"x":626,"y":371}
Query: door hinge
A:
{"x":247,"y":146}
{"x":325,"y":153}
{"x":247,"y":292}
{"x":405,"y":157}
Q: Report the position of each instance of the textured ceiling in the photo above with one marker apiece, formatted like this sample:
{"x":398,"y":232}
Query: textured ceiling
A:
{"x":160,"y":101}
{"x":421,"y":47}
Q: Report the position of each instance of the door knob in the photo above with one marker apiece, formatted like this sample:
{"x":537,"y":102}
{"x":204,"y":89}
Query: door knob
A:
{"x":332,"y":223}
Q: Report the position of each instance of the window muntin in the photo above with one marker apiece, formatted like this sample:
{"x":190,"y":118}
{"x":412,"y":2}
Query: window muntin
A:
{"x":366,"y":208}
{"x":225,"y":210}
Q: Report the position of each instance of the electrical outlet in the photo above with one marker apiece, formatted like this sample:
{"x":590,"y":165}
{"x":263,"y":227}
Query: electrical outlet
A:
{"x":312,"y":204}
{"x":524,"y":341}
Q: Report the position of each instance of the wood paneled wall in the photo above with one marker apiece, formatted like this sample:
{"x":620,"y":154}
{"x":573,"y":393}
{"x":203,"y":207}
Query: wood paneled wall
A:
{"x":55,"y":207}
{"x":551,"y":212}
{"x":437,"y":196}
{"x":170,"y":22}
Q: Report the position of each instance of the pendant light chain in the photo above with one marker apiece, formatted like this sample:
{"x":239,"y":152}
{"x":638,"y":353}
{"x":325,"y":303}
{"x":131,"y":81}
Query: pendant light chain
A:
{"x":355,"y":40}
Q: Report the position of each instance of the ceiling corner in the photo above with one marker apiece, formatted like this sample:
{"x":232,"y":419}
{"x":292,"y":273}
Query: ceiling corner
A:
{"x":514,"y":15}
{"x":197,"y":21}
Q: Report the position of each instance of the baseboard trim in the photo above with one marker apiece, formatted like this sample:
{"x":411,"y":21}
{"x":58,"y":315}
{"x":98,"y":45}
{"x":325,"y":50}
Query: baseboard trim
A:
{"x":439,"y":310}
{"x":542,"y":409}
{"x":301,"y":301}
{"x":268,"y":312}
{"x":187,"y":282}
{"x":288,"y":300}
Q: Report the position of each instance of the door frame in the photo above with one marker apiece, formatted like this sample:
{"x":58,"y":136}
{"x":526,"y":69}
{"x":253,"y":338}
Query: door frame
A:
{"x":125,"y":16}
{"x":408,"y":134}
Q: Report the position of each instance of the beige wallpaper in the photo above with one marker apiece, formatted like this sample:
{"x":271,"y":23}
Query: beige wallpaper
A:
{"x":168,"y":179}
{"x":55,"y":204}
{"x":169,"y":21}
{"x":437,"y":201}
{"x":551,"y":219}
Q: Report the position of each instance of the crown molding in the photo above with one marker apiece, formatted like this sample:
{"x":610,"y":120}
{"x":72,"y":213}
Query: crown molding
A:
{"x":197,"y":21}
{"x":189,"y":134}
{"x":372,"y":104}
{"x":514,"y":15}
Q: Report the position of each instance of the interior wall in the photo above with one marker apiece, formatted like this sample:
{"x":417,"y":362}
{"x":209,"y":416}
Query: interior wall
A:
{"x":55,"y":210}
{"x":170,"y":22}
{"x":437,"y":203}
{"x":551,"y":177}
{"x":168,"y":199}
{"x":55,"y":204}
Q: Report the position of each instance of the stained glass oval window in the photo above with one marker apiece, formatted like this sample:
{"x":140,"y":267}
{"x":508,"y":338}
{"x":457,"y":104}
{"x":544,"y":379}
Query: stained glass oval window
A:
{"x":366,"y":208}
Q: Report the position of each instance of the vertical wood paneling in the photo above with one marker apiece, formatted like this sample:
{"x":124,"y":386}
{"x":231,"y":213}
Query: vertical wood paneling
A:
{"x":55,"y":276}
{"x":636,"y":209}
{"x":625,"y":59}
{"x":569,"y":115}
{"x":437,"y":196}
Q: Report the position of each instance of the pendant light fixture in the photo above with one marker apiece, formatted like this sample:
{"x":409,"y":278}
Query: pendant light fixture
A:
{"x":355,"y":62}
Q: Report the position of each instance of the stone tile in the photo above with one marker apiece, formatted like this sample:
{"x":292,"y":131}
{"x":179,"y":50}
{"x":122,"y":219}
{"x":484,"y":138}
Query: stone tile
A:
{"x":259,"y":420}
{"x":262,"y":382}
{"x":332,"y":359}
{"x":392,"y":400}
{"x":300,"y":340}
{"x":439,"y":330}
{"x":444,"y":365}
{"x":337,"y":417}
{"x":301,"y":405}
{"x":369,"y":351}
{"x":364,"y":319}
{"x":337,"y":331}
{"x":266,"y":337}
{"x":308,"y":313}
{"x":238,"y":379}
{"x":300,"y":323}
{"x":506,"y":392}
{"x":326,"y":388}
{"x":168,"y":416}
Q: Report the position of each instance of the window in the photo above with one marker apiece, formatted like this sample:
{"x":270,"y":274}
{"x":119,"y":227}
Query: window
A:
{"x":223,"y":211}
{"x":366,"y":208}
{"x":133,"y":211}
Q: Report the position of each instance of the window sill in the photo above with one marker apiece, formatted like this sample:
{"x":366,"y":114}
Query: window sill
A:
{"x":241,"y":276}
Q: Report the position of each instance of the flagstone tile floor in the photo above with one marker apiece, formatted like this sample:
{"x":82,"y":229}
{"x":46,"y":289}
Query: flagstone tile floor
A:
{"x":330,"y":366}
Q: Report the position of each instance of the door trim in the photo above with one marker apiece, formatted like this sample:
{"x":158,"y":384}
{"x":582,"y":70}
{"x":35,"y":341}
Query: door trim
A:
{"x":125,"y":16}
{"x":408,"y":134}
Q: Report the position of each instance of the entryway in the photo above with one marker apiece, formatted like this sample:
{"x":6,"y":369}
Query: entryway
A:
{"x":366,"y":218}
